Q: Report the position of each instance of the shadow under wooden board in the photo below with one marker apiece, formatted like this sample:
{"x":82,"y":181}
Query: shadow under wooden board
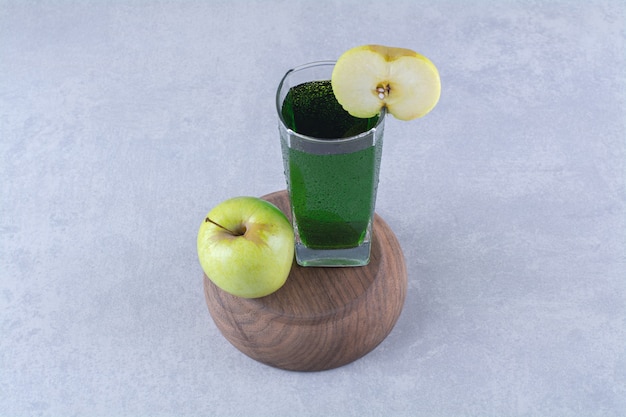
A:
{"x":322,"y":318}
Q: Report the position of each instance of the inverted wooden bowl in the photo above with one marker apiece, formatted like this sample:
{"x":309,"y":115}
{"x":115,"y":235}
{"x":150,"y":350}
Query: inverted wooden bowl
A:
{"x":322,"y":318}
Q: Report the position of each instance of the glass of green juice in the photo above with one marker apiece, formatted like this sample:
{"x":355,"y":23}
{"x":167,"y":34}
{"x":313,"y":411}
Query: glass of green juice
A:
{"x":332,"y":163}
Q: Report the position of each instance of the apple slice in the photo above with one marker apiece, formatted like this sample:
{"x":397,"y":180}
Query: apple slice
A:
{"x":367,"y":78}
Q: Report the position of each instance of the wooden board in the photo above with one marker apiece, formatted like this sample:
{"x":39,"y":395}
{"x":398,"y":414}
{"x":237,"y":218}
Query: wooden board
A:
{"x":322,"y":318}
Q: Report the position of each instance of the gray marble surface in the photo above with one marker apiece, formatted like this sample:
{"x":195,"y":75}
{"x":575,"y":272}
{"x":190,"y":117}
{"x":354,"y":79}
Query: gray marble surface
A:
{"x":122,"y":123}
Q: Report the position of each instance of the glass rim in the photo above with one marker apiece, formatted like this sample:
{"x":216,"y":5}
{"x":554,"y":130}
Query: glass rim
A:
{"x":313,"y":139}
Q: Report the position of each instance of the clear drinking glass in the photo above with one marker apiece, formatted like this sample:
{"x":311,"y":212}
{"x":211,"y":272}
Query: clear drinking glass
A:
{"x":331,"y":179}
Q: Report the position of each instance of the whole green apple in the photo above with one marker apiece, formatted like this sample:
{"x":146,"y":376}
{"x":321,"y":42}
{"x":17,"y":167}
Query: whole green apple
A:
{"x":246,"y":247}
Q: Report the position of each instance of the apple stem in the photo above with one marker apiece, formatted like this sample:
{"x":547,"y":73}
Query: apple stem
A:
{"x":222,"y":227}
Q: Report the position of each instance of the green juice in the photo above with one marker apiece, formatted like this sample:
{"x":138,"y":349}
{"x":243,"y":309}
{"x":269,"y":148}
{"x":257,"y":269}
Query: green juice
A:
{"x":332,"y":195}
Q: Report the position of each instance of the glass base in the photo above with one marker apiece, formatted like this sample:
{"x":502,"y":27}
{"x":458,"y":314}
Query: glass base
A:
{"x":358,"y":256}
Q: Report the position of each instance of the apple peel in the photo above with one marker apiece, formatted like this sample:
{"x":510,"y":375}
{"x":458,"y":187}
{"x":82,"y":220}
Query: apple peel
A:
{"x":246,"y":247}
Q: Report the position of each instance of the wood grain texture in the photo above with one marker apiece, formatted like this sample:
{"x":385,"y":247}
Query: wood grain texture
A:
{"x":322,"y":318}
